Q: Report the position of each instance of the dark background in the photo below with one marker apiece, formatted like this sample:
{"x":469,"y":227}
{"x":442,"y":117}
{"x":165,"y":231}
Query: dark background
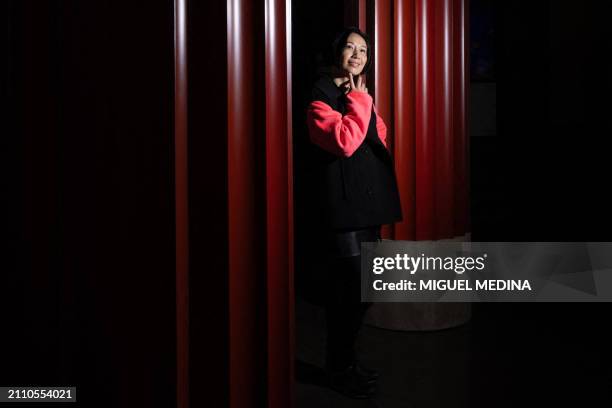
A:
{"x":87,"y":272}
{"x":544,"y":177}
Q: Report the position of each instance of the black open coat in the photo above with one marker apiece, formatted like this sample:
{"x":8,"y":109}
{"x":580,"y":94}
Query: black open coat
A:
{"x":349,"y":193}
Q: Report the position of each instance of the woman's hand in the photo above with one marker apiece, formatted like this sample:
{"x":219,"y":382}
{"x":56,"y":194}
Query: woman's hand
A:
{"x":361,"y":83}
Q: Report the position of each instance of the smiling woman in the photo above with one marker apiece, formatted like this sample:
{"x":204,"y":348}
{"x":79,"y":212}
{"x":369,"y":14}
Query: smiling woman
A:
{"x":351,"y":192}
{"x":353,"y":58}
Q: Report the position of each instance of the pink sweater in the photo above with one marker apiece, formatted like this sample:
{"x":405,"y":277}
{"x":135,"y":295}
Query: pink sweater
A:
{"x":342,"y":135}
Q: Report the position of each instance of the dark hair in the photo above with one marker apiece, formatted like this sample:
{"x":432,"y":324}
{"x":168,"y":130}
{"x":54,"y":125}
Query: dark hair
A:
{"x":340,"y":42}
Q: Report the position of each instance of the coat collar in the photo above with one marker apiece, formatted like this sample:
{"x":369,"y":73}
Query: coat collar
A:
{"x":327,"y":85}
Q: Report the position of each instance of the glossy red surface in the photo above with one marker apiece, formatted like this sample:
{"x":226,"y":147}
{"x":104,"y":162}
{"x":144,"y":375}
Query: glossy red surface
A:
{"x":461,"y":82}
{"x":181,"y":203}
{"x":244,"y":368}
{"x":427,"y":98}
{"x":279,"y":203}
{"x":404,"y":87}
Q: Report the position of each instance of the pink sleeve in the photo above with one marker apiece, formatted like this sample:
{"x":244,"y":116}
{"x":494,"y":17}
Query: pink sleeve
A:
{"x":381,"y":128}
{"x":337,"y":134}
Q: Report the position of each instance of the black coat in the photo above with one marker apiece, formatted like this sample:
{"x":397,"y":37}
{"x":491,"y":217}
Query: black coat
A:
{"x":348,"y":193}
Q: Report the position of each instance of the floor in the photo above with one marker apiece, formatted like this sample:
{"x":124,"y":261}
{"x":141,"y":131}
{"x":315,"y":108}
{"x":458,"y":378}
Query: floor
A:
{"x":508,"y":355}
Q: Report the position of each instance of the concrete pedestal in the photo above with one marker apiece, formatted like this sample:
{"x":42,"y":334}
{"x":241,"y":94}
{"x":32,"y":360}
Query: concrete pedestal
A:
{"x":420,"y":316}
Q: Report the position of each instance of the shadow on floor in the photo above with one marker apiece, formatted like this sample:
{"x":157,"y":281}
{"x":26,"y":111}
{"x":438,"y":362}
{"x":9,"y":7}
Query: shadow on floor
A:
{"x":417,"y":369}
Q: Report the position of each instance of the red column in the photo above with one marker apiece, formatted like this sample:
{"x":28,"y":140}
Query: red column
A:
{"x":425,"y":120}
{"x":255,"y":128}
{"x":429,"y":143}
{"x":404,"y":115}
{"x":461,"y":81}
{"x":181,"y":203}
{"x":443,"y":63}
{"x":279,"y":203}
{"x":245,"y":261}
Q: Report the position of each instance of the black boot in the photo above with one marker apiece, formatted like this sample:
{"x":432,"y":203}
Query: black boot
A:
{"x":351,"y":383}
{"x":371,"y":375}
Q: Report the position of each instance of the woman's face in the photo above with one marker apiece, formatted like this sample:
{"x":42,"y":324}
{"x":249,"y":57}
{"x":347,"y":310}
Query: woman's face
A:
{"x":354,"y":54}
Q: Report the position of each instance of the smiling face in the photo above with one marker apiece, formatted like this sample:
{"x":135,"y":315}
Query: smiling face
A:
{"x":354,"y":54}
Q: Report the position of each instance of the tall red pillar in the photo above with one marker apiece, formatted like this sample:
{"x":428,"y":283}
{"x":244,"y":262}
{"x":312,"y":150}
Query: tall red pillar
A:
{"x":421,"y":91}
{"x":420,"y":88}
{"x":279,"y":202}
{"x":240,"y":204}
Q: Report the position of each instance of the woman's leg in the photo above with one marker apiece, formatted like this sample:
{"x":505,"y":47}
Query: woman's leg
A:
{"x":344,"y":311}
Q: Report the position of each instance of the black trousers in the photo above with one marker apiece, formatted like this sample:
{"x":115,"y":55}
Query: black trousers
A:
{"x":344,"y":310}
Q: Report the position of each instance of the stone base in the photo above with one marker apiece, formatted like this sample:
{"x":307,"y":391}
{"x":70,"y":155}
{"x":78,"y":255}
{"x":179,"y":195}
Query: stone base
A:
{"x":420,"y":316}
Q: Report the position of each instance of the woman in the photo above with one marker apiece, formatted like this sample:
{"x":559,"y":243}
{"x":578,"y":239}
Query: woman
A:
{"x":353,"y":191}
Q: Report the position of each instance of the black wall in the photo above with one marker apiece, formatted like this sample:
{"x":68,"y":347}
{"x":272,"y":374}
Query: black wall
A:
{"x":87,"y":147}
{"x":544,"y":173}
{"x":544,"y":177}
